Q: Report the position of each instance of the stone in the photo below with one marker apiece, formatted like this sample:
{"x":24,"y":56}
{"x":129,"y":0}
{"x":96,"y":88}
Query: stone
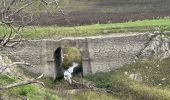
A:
{"x":3,"y":68}
{"x":99,"y":53}
{"x":158,"y":47}
{"x":136,"y":77}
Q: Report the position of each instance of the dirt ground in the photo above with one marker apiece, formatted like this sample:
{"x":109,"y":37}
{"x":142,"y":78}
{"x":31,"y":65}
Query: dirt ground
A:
{"x":81,"y":18}
{"x":85,"y":12}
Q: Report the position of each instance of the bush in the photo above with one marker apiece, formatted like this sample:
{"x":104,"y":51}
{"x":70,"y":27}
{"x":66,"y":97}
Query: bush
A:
{"x":71,"y":54}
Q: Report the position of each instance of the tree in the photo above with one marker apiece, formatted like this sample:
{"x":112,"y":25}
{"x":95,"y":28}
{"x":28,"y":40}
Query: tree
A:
{"x":13,"y":28}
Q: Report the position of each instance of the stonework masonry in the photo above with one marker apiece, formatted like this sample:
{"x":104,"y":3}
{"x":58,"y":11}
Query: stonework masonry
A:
{"x":101,"y":53}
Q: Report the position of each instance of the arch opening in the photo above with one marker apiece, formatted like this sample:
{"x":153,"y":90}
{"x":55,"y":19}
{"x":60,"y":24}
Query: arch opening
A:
{"x":64,"y":58}
{"x":58,"y":71}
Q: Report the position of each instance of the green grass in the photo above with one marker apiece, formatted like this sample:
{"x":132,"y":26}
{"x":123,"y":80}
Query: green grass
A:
{"x":152,"y":87}
{"x":32,"y":92}
{"x":94,"y":30}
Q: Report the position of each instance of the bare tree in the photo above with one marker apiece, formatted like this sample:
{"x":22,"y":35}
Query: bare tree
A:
{"x":13,"y":28}
{"x":12,"y":34}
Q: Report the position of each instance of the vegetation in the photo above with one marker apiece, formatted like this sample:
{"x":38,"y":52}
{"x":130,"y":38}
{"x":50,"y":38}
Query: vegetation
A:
{"x":154,"y":85}
{"x":33,"y":92}
{"x":96,"y":29}
{"x":91,"y":95}
{"x":71,"y":54}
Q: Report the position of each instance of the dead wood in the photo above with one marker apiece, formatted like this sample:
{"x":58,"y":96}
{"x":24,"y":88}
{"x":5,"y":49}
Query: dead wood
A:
{"x":22,"y":83}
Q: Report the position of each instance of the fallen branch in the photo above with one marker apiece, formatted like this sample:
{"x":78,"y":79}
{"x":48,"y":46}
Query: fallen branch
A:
{"x":30,"y":81}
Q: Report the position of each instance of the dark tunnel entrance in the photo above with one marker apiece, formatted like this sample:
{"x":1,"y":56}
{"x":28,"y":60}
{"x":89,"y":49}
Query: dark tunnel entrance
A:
{"x":58,"y":63}
{"x":64,"y":58}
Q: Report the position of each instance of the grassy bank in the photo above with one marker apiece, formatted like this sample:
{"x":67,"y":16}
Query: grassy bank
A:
{"x":154,"y":85}
{"x":32,"y":92}
{"x":96,"y":29}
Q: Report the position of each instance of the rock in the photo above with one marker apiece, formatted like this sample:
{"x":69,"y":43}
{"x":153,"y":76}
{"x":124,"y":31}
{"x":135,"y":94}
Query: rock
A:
{"x":158,"y":47}
{"x":73,"y":91}
{"x":136,"y":77}
{"x":159,"y":84}
{"x":126,"y":73}
{"x":3,"y":68}
{"x":163,"y":79}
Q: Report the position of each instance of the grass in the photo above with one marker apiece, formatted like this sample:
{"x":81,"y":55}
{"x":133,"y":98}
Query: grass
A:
{"x":155,"y":83}
{"x":32,"y":92}
{"x":91,"y":95}
{"x":94,"y":30}
{"x":98,"y":29}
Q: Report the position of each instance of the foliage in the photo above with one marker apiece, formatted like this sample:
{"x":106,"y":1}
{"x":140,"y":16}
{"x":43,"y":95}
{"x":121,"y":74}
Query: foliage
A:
{"x":71,"y":55}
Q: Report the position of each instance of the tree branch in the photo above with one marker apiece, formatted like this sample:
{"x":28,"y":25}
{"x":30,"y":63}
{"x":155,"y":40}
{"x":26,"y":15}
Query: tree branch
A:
{"x":30,"y":81}
{"x":26,"y":5}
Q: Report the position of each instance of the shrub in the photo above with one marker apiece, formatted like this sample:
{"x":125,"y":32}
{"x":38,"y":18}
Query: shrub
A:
{"x":71,"y":54}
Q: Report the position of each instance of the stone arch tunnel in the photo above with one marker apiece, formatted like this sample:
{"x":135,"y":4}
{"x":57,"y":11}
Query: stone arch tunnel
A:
{"x":82,"y":46}
{"x":53,"y":54}
{"x":100,"y":53}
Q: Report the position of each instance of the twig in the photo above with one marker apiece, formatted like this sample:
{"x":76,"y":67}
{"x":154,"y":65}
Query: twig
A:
{"x":26,"y":5}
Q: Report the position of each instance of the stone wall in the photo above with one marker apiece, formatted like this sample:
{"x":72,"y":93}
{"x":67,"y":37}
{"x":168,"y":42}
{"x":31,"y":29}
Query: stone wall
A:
{"x":101,"y":53}
{"x":111,"y":52}
{"x":28,"y":51}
